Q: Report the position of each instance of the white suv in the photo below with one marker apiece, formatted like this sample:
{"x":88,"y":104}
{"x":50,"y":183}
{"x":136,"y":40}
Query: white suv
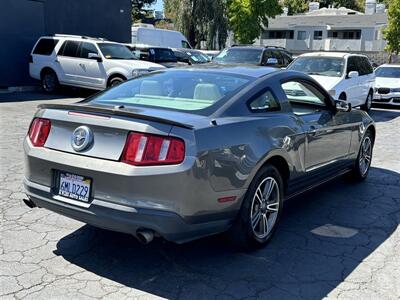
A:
{"x":83,"y":62}
{"x":345,"y":76}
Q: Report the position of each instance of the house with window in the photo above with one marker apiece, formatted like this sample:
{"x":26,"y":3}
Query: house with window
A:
{"x":328,"y":29}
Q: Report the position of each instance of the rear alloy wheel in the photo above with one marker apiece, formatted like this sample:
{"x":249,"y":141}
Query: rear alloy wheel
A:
{"x":261,"y":210}
{"x":363,"y":163}
{"x":50,"y":82}
{"x":368,"y":103}
{"x":115,"y":81}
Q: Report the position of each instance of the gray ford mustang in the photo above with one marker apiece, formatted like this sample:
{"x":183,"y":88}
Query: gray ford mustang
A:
{"x":186,"y":153}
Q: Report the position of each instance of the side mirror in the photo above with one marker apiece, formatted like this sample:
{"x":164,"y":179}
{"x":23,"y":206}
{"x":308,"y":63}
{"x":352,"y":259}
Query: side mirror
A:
{"x":95,"y":56}
{"x":272,"y":61}
{"x":353,"y":74}
{"x":342,"y":105}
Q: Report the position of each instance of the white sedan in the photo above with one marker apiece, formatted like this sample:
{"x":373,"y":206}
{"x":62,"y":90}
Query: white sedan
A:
{"x":345,"y":76}
{"x":387,"y":84}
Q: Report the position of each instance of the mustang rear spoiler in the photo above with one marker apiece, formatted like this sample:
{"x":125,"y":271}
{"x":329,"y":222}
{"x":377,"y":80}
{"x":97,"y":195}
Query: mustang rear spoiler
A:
{"x":113,"y":111}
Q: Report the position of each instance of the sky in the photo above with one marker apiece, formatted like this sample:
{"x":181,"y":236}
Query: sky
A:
{"x":158,"y":5}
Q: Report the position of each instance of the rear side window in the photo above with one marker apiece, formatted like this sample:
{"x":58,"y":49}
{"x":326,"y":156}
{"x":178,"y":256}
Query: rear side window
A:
{"x":45,"y":46}
{"x":69,"y":48}
{"x":264,"y":102}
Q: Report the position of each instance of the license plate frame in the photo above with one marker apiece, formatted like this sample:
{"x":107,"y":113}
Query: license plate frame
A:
{"x":73,"y":186}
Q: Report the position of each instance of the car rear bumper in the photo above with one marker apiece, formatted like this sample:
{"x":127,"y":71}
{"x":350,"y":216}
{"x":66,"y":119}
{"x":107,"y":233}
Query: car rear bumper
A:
{"x":127,"y":219}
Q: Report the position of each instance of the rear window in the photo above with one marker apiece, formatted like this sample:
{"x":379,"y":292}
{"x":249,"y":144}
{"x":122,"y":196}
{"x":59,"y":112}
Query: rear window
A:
{"x":45,"y":46}
{"x":201,"y":89}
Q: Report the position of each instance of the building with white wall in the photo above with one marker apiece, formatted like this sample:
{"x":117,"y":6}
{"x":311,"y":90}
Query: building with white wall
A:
{"x":329,"y":29}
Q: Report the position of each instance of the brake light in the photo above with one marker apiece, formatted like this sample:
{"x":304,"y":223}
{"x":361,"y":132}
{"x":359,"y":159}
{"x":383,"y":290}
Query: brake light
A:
{"x":39,"y":131}
{"x":143,"y":149}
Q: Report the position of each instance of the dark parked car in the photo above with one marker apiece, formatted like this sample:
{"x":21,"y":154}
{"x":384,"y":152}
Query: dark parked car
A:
{"x":158,"y":55}
{"x":255,"y":55}
{"x":185,"y":153}
{"x":191,"y":56}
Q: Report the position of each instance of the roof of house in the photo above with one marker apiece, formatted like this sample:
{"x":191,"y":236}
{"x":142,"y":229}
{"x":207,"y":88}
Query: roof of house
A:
{"x":334,"y":21}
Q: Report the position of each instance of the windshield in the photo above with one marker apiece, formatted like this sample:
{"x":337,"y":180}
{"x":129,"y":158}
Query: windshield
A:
{"x":390,"y":72}
{"x":115,"y":51}
{"x":324,"y":66}
{"x":236,"y":55}
{"x":176,"y":89}
{"x":198,"y":57}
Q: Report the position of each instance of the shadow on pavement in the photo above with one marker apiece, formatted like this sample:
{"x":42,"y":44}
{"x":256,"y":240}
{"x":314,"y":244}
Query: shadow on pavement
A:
{"x":382,"y":113}
{"x":324,"y":235}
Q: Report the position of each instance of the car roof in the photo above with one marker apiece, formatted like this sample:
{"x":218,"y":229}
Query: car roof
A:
{"x":246,"y":70}
{"x":78,"y":38}
{"x":330,"y":54}
{"x":258,"y":47}
{"x":390,"y":65}
{"x":187,"y":50}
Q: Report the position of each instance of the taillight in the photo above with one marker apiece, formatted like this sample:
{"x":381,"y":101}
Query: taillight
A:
{"x":39,"y":131}
{"x":142,"y":149}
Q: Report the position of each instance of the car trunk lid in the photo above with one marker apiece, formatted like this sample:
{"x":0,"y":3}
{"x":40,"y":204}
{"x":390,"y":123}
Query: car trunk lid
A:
{"x":108,"y":125}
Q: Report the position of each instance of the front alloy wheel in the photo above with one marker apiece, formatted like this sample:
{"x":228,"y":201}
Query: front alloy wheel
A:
{"x":364,"y":159}
{"x":363,"y":162}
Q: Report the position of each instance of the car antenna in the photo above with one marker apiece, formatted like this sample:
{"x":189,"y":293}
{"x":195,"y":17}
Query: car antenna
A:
{"x":214,"y":122}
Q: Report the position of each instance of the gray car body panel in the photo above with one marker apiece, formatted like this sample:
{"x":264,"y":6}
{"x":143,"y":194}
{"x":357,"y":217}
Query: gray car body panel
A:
{"x":224,"y":151}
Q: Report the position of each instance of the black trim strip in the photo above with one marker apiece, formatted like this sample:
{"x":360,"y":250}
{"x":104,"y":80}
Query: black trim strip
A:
{"x":110,"y":111}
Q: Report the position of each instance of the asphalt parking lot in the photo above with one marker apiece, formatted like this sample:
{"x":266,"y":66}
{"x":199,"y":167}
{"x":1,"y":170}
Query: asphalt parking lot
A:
{"x":341,"y":241}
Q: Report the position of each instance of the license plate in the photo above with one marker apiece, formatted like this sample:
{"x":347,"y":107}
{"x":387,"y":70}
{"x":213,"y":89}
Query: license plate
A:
{"x":74,"y":186}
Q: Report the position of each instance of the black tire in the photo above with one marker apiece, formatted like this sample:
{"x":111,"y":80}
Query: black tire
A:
{"x":115,"y":81}
{"x":49,"y":80}
{"x":242,"y":233}
{"x":358,"y":173}
{"x":368,"y":102}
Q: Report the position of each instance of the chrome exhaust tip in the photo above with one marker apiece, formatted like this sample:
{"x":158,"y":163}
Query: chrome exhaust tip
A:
{"x":145,"y":236}
{"x":29,"y":203}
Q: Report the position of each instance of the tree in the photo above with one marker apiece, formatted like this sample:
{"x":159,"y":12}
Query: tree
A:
{"x":248,"y":18}
{"x":199,"y":20}
{"x":139,"y":10}
{"x":296,"y":6}
{"x":392,"y":31}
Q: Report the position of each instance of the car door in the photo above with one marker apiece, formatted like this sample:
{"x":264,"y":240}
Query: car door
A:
{"x":68,"y":62}
{"x":327,"y":136}
{"x":352,"y":86}
{"x":367,"y":78}
{"x":90,"y":71}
